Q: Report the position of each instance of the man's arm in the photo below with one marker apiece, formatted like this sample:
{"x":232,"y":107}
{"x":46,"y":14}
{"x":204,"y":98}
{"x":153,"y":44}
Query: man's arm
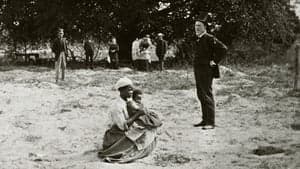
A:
{"x":219,"y":50}
{"x":165,"y":47}
{"x":54,"y":49}
{"x":53,"y":46}
{"x":66,"y":47}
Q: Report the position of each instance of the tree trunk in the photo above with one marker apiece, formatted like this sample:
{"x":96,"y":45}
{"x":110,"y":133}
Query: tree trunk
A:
{"x":297,"y":68}
{"x":125,"y":41}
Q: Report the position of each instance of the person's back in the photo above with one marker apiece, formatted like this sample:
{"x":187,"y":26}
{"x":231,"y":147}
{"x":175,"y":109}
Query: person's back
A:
{"x":161,"y":47}
{"x":144,"y":45}
{"x":89,"y":47}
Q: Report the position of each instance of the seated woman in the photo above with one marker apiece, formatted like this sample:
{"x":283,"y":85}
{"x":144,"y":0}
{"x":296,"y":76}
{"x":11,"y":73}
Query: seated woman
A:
{"x":125,"y":140}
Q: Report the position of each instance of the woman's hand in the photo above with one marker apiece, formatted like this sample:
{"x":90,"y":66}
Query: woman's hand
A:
{"x":132,"y":104}
{"x":140,"y":112}
{"x":126,"y":127}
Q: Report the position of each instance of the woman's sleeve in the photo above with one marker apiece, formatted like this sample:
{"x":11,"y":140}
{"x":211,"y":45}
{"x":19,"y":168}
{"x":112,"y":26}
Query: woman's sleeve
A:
{"x":118,"y":118}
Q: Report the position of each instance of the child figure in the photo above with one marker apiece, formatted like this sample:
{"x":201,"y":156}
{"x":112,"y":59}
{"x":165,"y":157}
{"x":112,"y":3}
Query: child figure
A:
{"x":148,"y":119}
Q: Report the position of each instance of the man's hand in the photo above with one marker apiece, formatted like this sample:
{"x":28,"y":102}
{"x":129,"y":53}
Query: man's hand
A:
{"x":212,"y":63}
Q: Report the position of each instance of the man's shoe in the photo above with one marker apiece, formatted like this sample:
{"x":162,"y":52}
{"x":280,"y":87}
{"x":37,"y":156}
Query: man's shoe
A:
{"x":201,"y":124}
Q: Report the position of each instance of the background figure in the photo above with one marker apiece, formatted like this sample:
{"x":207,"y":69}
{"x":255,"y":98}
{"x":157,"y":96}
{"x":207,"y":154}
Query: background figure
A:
{"x":59,"y":48}
{"x":89,"y":52}
{"x":113,"y":52}
{"x":161,"y":49}
{"x":208,"y":52}
{"x":144,"y":58}
{"x":135,"y":51}
{"x":182,"y":55}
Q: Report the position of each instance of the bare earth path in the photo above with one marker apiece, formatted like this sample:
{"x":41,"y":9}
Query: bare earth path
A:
{"x":44,"y":125}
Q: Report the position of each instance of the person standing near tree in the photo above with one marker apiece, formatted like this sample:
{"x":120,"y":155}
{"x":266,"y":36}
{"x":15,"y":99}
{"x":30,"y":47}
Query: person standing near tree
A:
{"x":161,"y":49}
{"x":135,"y":51}
{"x":144,"y":58}
{"x":60,"y":50}
{"x":89,"y":52}
{"x":207,"y":53}
{"x":113,"y":52}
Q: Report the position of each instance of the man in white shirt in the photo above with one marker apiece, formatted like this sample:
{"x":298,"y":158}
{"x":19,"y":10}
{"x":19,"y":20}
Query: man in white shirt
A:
{"x":135,"y":51}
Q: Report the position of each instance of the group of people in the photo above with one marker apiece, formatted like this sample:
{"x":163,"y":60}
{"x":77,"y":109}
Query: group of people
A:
{"x":141,"y":52}
{"x":113,"y":52}
{"x":142,"y":48}
{"x":132,"y":131}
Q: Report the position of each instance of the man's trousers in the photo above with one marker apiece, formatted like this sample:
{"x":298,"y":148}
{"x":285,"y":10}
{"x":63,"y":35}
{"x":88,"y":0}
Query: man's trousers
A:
{"x":204,"y":79}
{"x":60,"y":66}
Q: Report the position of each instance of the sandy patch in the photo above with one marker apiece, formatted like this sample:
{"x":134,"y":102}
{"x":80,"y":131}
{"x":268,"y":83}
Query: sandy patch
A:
{"x":45,"y":125}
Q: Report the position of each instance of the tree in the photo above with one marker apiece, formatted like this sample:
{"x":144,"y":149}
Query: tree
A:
{"x":265,"y":22}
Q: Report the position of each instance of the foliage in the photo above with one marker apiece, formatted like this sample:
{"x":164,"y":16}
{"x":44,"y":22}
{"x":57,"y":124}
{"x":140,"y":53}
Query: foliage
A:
{"x":31,"y":21}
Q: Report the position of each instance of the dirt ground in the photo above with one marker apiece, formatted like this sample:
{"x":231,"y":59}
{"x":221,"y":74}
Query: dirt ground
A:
{"x":48,"y":126}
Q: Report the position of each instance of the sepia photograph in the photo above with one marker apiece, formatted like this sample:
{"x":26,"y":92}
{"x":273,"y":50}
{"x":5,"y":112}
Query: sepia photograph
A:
{"x":149,"y":84}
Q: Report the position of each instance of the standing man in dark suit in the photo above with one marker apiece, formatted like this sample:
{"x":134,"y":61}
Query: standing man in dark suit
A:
{"x":207,"y":52}
{"x":161,"y":49}
{"x":59,"y":48}
{"x":89,"y":52}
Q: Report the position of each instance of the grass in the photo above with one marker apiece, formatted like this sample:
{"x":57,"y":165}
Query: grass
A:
{"x":167,"y":80}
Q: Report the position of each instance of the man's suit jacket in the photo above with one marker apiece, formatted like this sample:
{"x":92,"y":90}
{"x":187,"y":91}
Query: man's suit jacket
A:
{"x":161,"y":47}
{"x":89,"y":48}
{"x":58,"y":46}
{"x":207,"y":48}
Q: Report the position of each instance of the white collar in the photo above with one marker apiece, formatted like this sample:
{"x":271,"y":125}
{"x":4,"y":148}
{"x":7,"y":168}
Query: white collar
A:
{"x":202,"y":34}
